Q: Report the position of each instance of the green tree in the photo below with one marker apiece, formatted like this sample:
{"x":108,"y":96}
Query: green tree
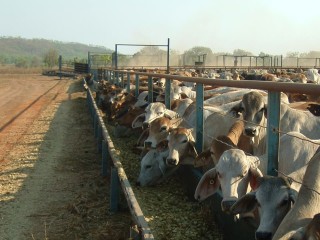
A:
{"x":21,"y":62}
{"x":51,"y":58}
{"x":240,"y":52}
{"x":197,"y":54}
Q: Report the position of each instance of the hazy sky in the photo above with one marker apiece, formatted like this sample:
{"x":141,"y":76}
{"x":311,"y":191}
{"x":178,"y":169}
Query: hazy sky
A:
{"x":269,"y":26}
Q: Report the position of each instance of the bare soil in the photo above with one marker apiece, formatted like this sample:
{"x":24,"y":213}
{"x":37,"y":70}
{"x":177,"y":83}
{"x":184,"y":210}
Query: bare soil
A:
{"x":50,"y":181}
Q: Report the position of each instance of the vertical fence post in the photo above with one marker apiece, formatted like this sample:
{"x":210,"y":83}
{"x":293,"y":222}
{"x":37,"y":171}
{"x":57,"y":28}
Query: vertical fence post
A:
{"x":137,"y":85}
{"x":105,"y":163}
{"x":114,"y":190}
{"x":99,"y":138}
{"x":272,"y":132}
{"x":168,"y":94}
{"x":122,"y":80}
{"x":128,"y":82}
{"x":117,"y":78}
{"x":199,"y":113}
{"x":150,"y":90}
{"x":95,"y":124}
{"x":60,"y":66}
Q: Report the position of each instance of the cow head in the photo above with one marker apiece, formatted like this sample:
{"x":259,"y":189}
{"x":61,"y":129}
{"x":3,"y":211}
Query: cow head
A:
{"x":254,"y":110}
{"x":158,"y":131}
{"x":273,"y":198}
{"x":152,"y":167}
{"x":181,"y":144}
{"x":233,"y":173}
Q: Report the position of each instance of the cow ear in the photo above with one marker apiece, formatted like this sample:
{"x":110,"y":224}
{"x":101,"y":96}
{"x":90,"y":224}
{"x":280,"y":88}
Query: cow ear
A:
{"x":245,"y":204}
{"x":208,"y":185}
{"x":137,"y":122}
{"x":255,"y":177}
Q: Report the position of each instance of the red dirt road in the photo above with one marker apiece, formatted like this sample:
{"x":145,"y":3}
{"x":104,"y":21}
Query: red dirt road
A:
{"x":50,"y":182}
{"x":22,"y":99}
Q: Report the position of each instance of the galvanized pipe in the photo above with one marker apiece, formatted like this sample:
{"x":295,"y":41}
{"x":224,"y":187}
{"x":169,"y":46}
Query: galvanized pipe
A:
{"x":254,"y":84}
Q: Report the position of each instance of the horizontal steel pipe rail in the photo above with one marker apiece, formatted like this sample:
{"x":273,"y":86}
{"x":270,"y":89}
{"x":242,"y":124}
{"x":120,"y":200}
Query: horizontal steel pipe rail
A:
{"x":122,"y":177}
{"x":255,"y":84}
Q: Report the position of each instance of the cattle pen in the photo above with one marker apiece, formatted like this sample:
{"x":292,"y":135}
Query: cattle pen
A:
{"x":117,"y":172}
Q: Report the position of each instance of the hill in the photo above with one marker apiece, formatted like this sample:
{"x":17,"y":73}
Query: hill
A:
{"x":13,"y":48}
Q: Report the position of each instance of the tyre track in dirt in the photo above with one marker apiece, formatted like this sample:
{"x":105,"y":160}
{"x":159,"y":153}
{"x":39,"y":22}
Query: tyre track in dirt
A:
{"x":22,"y":114}
{"x":50,"y":183}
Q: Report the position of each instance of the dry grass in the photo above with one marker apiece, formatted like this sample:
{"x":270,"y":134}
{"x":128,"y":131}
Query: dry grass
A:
{"x":11,"y":69}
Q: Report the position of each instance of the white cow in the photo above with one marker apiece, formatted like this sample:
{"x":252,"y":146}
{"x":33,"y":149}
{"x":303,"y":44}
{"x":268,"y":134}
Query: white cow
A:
{"x":313,"y":75}
{"x":152,"y":167}
{"x":152,"y":112}
{"x":306,"y":206}
{"x":227,"y":97}
{"x":254,"y":110}
{"x":235,"y":170}
{"x":217,"y":121}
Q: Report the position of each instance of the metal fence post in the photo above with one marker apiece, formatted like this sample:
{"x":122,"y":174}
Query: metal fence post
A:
{"x":99,"y":138}
{"x":60,"y":66}
{"x":95,"y":124}
{"x":199,"y":113}
{"x":114,"y":190}
{"x":150,"y":90}
{"x":273,"y":132}
{"x":122,"y":80}
{"x":117,"y":78}
{"x":137,"y":85}
{"x":105,"y":163}
{"x":168,"y":94}
{"x":128,"y":82}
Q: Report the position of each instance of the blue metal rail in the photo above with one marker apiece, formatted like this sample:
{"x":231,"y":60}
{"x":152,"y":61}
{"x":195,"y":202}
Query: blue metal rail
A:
{"x":112,"y":166}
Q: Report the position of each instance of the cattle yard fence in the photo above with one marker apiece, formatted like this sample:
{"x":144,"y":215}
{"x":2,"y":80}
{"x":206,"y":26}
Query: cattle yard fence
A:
{"x":111,"y":165}
{"x":123,"y":78}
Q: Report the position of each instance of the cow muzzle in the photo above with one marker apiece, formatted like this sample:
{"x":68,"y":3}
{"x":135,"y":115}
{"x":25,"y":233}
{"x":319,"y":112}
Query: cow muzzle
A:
{"x":251,"y":132}
{"x":172,"y":161}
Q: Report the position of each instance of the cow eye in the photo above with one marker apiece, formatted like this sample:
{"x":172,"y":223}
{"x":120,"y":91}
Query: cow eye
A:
{"x":219,"y":175}
{"x":162,"y":129}
{"x":148,"y":166}
{"x":184,"y":141}
{"x":241,"y":109}
{"x":160,"y":113}
{"x":284,"y":202}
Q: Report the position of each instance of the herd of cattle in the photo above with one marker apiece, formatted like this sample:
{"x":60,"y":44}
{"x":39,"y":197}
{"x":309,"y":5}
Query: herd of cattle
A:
{"x":234,"y":159}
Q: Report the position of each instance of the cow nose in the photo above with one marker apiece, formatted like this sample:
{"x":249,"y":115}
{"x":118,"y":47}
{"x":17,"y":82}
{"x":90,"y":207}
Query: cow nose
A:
{"x":172,"y":161}
{"x":263,"y":235}
{"x":250,"y":132}
{"x":145,"y":125}
{"x":226,"y":205}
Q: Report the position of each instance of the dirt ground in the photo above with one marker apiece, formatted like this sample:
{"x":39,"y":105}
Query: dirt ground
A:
{"x":50,"y":181}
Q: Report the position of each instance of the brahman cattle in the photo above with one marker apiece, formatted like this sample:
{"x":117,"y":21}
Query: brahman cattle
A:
{"x":273,"y":198}
{"x":235,"y":170}
{"x":307,"y":204}
{"x":254,"y":110}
